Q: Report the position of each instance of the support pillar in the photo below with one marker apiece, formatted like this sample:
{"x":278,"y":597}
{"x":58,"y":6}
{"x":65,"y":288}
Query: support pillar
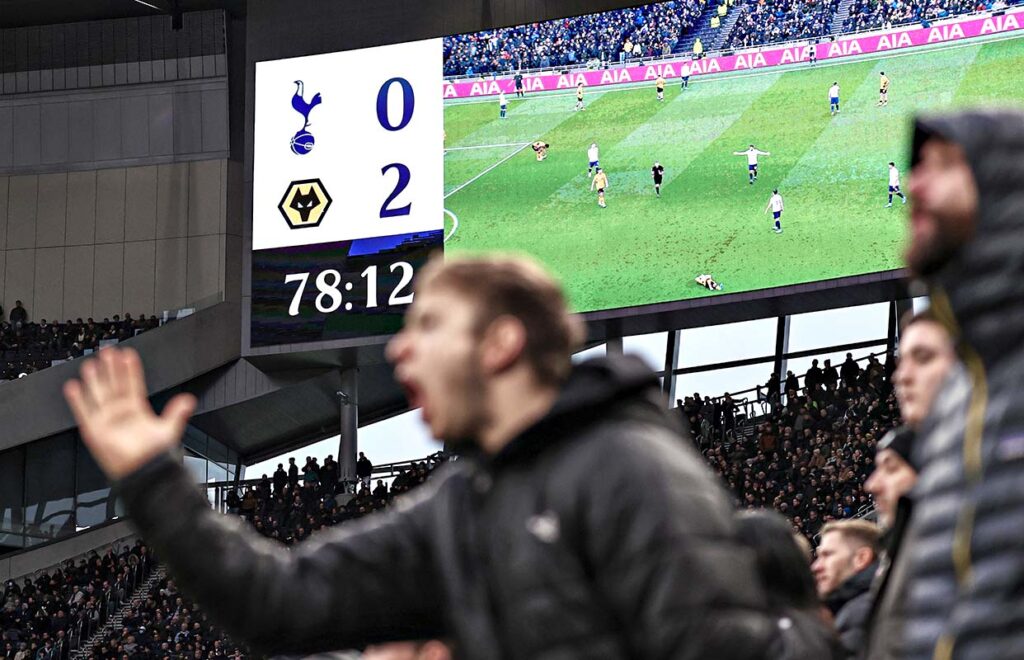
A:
{"x":668,"y":383}
{"x":348,"y":447}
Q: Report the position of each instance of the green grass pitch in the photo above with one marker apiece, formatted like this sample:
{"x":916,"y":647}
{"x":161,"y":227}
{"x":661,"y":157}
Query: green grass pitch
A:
{"x":831,"y":171}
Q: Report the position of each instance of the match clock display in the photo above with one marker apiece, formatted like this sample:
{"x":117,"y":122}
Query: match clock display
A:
{"x":347,"y":191}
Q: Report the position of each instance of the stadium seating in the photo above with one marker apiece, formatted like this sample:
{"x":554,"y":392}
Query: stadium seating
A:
{"x":648,"y":30}
{"x":776,"y":21}
{"x":808,"y":458}
{"x":659,"y":29}
{"x":58,"y":610}
{"x":872,"y":14}
{"x":165,"y":623}
{"x":29,"y":347}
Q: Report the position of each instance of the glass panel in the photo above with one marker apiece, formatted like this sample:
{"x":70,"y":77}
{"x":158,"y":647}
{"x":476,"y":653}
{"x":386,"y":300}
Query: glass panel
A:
{"x":196,"y":465}
{"x":920,"y":304}
{"x":216,"y":472}
{"x":838,"y":326}
{"x":94,"y":504}
{"x":216,"y":451}
{"x":649,"y":347}
{"x":718,"y":382}
{"x":594,"y":352}
{"x":12,"y":482}
{"x":49,"y":487}
{"x":729,"y":341}
{"x":196,"y":440}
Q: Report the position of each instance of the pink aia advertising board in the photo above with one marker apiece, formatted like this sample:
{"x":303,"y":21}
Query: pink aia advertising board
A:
{"x":847,"y":47}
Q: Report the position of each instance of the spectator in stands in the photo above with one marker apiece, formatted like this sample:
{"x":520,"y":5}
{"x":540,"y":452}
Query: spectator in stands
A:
{"x":293,"y":473}
{"x":485,"y":351}
{"x":329,"y":474}
{"x":813,"y":376}
{"x":829,"y":376}
{"x":280,"y":478}
{"x":792,"y":384}
{"x":843,"y":571}
{"x":364,"y":470}
{"x":966,"y":191}
{"x":19,"y":315}
{"x":782,"y":564}
{"x":849,"y":371}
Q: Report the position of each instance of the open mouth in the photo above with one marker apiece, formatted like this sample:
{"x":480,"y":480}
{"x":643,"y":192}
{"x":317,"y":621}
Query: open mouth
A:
{"x":414,"y":395}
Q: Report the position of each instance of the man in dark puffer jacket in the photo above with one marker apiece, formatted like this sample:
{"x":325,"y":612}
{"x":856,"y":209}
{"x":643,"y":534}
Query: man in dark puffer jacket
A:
{"x":964,"y":550}
{"x":585,"y":528}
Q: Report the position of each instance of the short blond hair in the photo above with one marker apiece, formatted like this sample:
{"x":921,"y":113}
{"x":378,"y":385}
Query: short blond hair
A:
{"x":505,"y":285}
{"x":860,"y":533}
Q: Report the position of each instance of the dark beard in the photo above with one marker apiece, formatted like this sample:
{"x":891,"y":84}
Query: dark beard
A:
{"x":927,"y":260}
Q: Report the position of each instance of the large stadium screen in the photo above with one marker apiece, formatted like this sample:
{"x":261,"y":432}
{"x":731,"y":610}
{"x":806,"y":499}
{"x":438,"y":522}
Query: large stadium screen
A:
{"x":644,"y":177}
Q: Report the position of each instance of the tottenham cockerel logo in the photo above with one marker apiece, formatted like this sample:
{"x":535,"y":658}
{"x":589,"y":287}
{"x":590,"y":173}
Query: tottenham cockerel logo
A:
{"x":303,"y":141}
{"x":305,"y":203}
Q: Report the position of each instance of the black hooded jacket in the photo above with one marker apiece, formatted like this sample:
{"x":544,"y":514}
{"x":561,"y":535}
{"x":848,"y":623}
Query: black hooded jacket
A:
{"x":597,"y":533}
{"x":963,"y":556}
{"x":851,"y":604}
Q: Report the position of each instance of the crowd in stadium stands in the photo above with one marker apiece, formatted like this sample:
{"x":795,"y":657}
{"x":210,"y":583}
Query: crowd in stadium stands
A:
{"x":41,"y":618}
{"x":810,"y":458}
{"x":616,"y":35}
{"x":872,"y":14}
{"x":288,"y":506}
{"x":774,"y":21}
{"x":26,"y":346}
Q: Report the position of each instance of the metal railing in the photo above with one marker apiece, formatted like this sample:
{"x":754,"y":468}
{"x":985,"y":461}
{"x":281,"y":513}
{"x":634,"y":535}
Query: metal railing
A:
{"x":217,"y":491}
{"x":750,"y":412}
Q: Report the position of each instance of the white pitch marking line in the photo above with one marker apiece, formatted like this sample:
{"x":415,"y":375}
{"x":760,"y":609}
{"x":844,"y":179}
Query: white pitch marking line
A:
{"x":461,"y":186}
{"x":487,"y":146}
{"x":455,"y":224}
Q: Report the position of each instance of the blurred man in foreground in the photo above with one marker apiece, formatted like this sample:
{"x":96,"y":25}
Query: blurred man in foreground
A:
{"x":963,"y":556}
{"x":582,"y":528}
{"x":843,"y":571}
{"x":926,"y":358}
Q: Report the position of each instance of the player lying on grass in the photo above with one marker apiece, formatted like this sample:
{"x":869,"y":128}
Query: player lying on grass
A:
{"x":751,"y":153}
{"x":708,"y":282}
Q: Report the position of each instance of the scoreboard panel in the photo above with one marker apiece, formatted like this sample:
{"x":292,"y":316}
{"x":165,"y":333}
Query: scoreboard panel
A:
{"x":347,"y":190}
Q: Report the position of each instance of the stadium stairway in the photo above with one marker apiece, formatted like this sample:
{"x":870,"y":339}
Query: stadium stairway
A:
{"x":842,"y":13}
{"x":723,"y":32}
{"x":114,"y":622}
{"x":702,"y":29}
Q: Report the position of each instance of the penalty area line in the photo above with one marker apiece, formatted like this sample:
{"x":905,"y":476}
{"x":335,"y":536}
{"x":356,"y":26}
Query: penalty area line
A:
{"x":488,"y":169}
{"x":455,"y":224}
{"x":487,"y":146}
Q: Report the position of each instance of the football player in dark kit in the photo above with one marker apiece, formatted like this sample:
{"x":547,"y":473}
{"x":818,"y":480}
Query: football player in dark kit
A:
{"x":519,"y":84}
{"x":657,"y":173}
{"x":577,"y":524}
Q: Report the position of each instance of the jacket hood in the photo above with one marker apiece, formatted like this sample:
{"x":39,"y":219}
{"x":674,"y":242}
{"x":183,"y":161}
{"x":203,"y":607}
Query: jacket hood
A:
{"x":979,"y":293}
{"x":594,"y":390}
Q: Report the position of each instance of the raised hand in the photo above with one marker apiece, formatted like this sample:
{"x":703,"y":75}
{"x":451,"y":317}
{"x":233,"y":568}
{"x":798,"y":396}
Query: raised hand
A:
{"x":117,"y":424}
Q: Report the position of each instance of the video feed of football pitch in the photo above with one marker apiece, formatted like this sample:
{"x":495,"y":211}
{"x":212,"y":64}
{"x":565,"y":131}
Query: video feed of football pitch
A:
{"x":831,"y":170}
